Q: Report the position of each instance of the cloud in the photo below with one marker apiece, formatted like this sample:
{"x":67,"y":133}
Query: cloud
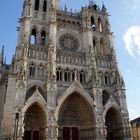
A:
{"x":132,"y":41}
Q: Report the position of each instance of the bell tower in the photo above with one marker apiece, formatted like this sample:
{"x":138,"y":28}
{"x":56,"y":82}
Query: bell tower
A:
{"x":34,"y":60}
{"x":36,"y":47}
{"x":37,"y":30}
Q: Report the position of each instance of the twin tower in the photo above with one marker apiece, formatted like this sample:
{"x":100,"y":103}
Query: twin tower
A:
{"x":63,"y":82}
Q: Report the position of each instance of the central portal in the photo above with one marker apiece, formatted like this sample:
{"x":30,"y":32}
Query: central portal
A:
{"x":76,"y":119}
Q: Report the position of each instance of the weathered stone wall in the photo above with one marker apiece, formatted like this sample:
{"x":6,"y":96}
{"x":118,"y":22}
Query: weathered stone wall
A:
{"x":9,"y":116}
{"x":2,"y":100}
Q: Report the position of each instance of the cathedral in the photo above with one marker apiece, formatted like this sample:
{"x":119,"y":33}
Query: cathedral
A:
{"x":63,"y":82}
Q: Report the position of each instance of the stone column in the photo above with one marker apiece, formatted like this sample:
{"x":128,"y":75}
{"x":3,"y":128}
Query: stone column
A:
{"x":126,"y":129}
{"x":21,"y":127}
{"x":100,"y":127}
{"x":126,"y":124}
{"x":52,"y":126}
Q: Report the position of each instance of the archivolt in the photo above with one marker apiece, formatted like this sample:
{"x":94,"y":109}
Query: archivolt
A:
{"x":42,"y":104}
{"x":115,"y":110}
{"x":76,"y":111}
{"x":63,"y":98}
{"x":77,"y":101}
{"x":32,"y":89}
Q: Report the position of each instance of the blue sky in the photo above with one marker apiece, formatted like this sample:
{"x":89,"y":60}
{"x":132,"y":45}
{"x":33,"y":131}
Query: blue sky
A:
{"x":125,"y":22}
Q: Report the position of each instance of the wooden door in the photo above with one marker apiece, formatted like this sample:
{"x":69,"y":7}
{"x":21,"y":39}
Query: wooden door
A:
{"x":27,"y":135}
{"x":66,"y":133}
{"x":74,"y":133}
{"x":35,"y":135}
{"x":110,"y":136}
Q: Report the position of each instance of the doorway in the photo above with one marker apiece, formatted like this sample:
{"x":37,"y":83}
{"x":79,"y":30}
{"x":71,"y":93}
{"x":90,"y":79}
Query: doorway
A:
{"x":34,"y":123}
{"x":113,"y":124}
{"x":75,"y":116}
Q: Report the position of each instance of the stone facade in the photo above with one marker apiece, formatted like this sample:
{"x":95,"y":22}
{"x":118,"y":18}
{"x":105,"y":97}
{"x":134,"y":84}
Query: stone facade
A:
{"x":135,"y":126}
{"x":64,"y":82}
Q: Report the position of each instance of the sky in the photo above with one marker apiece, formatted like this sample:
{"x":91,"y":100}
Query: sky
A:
{"x":125,"y":23}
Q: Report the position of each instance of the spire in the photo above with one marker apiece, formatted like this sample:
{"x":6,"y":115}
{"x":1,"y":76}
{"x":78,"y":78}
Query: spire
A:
{"x":1,"y":57}
{"x":65,"y":8}
{"x":2,"y":52}
{"x":103,"y":7}
{"x":5,"y":60}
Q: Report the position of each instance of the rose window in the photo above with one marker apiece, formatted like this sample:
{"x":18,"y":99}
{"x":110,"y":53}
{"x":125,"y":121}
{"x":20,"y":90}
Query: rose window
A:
{"x":68,"y":43}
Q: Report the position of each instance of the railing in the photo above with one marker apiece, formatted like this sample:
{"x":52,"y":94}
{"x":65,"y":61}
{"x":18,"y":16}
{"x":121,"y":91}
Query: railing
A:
{"x":38,"y":52}
{"x":70,"y":14}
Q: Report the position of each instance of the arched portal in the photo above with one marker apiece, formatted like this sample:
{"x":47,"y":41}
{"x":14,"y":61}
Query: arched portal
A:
{"x":114,"y":127}
{"x":34,"y":123}
{"x":76,"y":119}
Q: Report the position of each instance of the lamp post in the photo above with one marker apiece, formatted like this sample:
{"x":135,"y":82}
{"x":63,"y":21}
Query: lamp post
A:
{"x":16,"y":126}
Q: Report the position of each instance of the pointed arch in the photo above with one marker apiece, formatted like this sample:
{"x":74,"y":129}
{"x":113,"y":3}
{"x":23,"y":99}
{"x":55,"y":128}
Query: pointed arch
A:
{"x":40,"y":71}
{"x":34,"y":84}
{"x":59,"y":74}
{"x":32,"y":70}
{"x":36,"y":6}
{"x":32,"y":101}
{"x":32,"y":90}
{"x":114,"y":123}
{"x":44,"y":5}
{"x":82,"y":77}
{"x":102,"y":46}
{"x":115,"y":110}
{"x":92,"y":21}
{"x":76,"y":114}
{"x":110,"y":103}
{"x":34,"y":120}
{"x":33,"y":36}
{"x":100,"y":28}
{"x":43,"y":38}
{"x":86,"y":97}
{"x":75,"y":87}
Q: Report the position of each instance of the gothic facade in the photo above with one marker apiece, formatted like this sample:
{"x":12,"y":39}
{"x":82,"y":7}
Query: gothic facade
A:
{"x":64,"y":82}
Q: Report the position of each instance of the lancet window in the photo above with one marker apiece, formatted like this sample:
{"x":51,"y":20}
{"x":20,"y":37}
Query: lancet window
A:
{"x":102,"y":47}
{"x":93,"y":26}
{"x":95,"y":46}
{"x":67,"y":76}
{"x":100,"y":25}
{"x":36,"y":5}
{"x":40,"y":71}
{"x":59,"y":74}
{"x":33,"y":37}
{"x":43,"y":38}
{"x":106,"y":79}
{"x":44,"y":5}
{"x":32,"y":70}
{"x":82,"y":77}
